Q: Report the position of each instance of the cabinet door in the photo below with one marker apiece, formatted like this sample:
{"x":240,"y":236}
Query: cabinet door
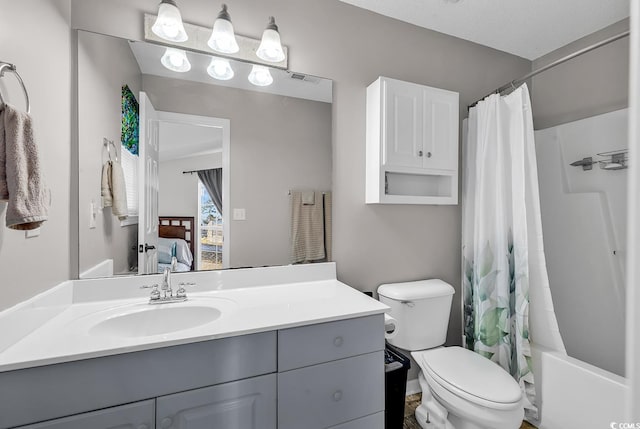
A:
{"x":245,"y":404}
{"x":440,"y":129}
{"x":329,"y":394}
{"x":402,"y":124}
{"x":139,"y":415}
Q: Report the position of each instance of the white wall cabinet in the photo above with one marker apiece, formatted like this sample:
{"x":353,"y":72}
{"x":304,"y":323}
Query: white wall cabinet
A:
{"x":412,"y":144}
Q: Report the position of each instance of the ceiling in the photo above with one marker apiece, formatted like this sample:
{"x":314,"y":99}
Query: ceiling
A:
{"x":180,"y":140}
{"x":526,"y":28}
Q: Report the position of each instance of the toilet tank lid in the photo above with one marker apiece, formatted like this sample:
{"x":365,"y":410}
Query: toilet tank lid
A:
{"x":421,"y":289}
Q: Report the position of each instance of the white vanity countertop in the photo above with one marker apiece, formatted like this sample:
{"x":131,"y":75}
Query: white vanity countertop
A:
{"x":66,"y":337}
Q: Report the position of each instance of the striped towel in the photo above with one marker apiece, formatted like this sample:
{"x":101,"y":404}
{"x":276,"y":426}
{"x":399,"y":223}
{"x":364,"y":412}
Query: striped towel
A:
{"x":307,"y":229}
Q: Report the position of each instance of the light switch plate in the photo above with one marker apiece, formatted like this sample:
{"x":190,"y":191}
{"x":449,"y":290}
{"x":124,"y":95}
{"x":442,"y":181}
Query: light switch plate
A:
{"x":93,"y":213}
{"x":30,"y":233}
{"x":239,"y":214}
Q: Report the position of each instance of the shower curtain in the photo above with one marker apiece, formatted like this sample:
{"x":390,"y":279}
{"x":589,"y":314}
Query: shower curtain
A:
{"x":503,"y":259}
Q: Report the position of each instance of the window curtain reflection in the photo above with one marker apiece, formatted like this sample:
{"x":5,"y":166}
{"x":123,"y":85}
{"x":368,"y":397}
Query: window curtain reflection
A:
{"x":212,"y":180}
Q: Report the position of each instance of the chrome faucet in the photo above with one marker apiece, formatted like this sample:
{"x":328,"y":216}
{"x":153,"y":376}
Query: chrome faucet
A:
{"x":167,"y":295}
{"x":167,"y":292}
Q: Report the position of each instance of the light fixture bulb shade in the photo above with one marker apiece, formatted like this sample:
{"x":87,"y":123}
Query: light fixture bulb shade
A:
{"x":168,"y":24}
{"x":270,"y":48}
{"x":260,"y":76}
{"x":176,"y":60}
{"x":223,"y":38}
{"x":220,"y":69}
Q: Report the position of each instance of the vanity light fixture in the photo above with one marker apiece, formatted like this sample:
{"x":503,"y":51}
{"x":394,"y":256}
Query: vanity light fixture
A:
{"x":176,"y":60}
{"x":223,"y":39}
{"x":220,"y":69}
{"x":260,"y":76}
{"x":168,"y":25}
{"x":270,"y":48}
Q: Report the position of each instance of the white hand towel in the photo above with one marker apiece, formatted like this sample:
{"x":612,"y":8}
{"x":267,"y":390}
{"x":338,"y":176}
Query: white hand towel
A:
{"x":21,"y":181}
{"x":118,"y":191}
{"x":105,"y":187}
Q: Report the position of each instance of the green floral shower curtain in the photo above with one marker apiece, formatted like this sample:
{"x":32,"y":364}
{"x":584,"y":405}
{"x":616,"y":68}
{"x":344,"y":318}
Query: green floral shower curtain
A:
{"x":500,"y":171}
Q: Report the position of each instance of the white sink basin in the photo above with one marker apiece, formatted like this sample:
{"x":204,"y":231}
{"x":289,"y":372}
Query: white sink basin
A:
{"x":155,"y":320}
{"x":137,"y":320}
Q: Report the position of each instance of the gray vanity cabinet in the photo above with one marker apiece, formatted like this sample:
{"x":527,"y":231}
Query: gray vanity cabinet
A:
{"x":321,"y":376}
{"x":246,"y":404}
{"x":140,"y":415}
{"x":331,"y":375}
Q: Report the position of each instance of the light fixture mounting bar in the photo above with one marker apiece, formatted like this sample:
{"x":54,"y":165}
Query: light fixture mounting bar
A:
{"x":197,"y":42}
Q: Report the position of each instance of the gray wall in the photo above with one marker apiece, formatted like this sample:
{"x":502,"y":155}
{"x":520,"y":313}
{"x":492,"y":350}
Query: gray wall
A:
{"x":104,"y":65}
{"x":594,"y":83}
{"x":37,"y":39}
{"x":372,"y":244}
{"x":277,"y":143}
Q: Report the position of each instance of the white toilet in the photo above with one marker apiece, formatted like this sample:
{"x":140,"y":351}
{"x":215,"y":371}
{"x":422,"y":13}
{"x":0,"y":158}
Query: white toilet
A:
{"x":460,"y":388}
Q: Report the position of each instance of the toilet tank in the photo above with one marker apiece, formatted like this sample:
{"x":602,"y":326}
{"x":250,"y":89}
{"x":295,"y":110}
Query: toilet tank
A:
{"x":421,"y":309}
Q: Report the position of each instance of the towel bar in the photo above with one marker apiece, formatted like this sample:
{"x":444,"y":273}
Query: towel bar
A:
{"x":108,"y":143}
{"x":4,"y":67}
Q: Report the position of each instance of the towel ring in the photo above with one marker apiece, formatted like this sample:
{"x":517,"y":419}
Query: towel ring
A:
{"x":108,"y":143}
{"x":4,"y":67}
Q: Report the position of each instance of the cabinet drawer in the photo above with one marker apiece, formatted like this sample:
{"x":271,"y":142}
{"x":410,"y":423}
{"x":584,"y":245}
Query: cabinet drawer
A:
{"x":326,"y":395}
{"x":246,"y":404}
{"x":135,"y":416}
{"x":324,"y":342}
{"x":374,"y":421}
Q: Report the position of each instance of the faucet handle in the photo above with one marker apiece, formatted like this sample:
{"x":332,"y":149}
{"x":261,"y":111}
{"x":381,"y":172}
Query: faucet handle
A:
{"x":181,"y":292}
{"x":155,"y":293}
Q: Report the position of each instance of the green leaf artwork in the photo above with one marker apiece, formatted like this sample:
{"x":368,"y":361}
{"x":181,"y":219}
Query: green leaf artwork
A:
{"x":130,"y":120}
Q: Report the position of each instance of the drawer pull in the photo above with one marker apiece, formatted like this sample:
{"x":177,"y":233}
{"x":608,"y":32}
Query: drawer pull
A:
{"x":337,"y":395}
{"x":338,"y":341}
{"x":166,"y":423}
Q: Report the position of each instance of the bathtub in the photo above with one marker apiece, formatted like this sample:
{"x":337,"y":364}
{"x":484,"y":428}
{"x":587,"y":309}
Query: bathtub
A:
{"x":575,"y":394}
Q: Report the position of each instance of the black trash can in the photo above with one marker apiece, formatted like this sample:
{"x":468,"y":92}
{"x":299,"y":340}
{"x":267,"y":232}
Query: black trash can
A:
{"x":396,"y":367}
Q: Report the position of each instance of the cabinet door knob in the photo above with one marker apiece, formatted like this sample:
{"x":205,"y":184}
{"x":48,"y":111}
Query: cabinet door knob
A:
{"x":166,"y":423}
{"x":337,"y":395}
{"x":338,"y":341}
{"x":419,"y":153}
{"x":428,"y":154}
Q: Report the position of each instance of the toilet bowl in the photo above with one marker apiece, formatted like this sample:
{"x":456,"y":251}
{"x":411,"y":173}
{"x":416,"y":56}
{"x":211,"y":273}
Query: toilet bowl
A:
{"x":460,"y":389}
{"x":466,"y":391}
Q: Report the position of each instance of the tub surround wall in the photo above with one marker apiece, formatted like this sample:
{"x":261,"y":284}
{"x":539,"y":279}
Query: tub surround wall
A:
{"x":37,"y":39}
{"x":584,"y":218}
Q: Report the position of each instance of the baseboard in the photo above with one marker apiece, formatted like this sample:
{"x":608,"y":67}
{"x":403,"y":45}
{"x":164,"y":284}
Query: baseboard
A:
{"x":413,"y":387}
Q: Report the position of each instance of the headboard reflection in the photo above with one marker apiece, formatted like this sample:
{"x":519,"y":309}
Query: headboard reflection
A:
{"x":178,"y":227}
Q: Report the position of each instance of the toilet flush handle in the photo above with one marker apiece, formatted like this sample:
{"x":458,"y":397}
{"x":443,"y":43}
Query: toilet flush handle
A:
{"x":408,"y":303}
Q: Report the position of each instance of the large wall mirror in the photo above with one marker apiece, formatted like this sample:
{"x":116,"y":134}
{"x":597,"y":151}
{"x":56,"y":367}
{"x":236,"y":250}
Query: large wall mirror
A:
{"x":207,"y":165}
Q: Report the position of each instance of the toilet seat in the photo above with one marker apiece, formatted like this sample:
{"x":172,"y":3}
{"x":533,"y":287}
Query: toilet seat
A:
{"x":470,"y":376}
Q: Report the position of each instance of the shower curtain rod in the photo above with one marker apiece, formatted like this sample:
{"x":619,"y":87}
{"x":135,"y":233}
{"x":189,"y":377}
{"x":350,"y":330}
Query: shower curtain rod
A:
{"x":524,"y":78}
